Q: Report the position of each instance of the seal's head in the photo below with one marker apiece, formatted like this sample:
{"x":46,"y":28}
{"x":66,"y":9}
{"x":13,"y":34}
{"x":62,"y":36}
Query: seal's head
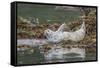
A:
{"x":48,"y":33}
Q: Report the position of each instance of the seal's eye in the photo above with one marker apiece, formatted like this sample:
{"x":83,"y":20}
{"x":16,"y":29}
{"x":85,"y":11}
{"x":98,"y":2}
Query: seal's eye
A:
{"x":47,"y":31}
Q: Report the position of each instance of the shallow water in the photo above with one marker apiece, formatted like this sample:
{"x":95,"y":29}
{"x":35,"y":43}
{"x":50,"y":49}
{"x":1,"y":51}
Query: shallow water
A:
{"x":46,"y":13}
{"x":35,"y":55}
{"x":31,"y":42}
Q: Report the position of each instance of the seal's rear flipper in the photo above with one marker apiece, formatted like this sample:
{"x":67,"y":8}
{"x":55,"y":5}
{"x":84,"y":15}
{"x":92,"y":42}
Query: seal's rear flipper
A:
{"x":63,"y":27}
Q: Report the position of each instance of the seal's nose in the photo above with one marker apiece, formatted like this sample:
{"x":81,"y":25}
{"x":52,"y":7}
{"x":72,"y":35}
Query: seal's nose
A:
{"x":45,"y":37}
{"x":45,"y":34}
